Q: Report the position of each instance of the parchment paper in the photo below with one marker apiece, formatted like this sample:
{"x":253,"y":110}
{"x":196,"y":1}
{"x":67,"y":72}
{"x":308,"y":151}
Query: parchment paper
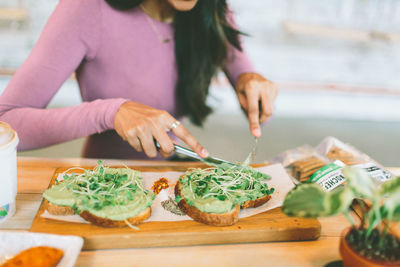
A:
{"x":279,"y":180}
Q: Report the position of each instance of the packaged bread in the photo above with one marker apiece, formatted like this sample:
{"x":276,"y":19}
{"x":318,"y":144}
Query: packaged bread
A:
{"x":305,"y":164}
{"x":301,"y":162}
{"x":302,"y":169}
{"x":334,"y":149}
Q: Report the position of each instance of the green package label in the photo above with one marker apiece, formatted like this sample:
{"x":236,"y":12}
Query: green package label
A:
{"x":328,"y":177}
{"x":324,"y":171}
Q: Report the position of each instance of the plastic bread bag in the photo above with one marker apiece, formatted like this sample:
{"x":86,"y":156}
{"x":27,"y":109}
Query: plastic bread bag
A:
{"x":301,"y":162}
{"x":334,"y":149}
{"x":305,"y":164}
{"x":329,"y":176}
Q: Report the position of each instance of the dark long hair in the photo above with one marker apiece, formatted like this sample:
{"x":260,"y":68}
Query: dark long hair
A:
{"x":201,"y":37}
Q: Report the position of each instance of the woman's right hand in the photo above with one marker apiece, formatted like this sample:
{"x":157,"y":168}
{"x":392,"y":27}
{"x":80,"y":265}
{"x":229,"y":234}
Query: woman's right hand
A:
{"x":139,"y":125}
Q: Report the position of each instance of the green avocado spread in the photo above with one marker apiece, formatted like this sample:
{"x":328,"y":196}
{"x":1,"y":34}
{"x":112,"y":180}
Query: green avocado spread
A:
{"x":113,"y":193}
{"x":59,"y":195}
{"x":219,"y":189}
{"x":120,"y":212}
{"x":210,"y":205}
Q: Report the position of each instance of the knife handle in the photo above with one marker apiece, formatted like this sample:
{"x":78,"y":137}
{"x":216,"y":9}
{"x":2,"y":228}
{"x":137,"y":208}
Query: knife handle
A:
{"x":181,"y":150}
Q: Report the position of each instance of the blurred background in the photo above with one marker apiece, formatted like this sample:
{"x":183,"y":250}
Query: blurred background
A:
{"x":336,"y":62}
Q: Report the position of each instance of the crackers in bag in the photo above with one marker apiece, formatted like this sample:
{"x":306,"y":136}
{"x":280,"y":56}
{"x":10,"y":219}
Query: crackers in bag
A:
{"x":334,"y":149}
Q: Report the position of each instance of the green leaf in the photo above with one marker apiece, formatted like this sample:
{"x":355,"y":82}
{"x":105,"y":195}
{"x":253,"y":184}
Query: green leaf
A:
{"x":246,"y":162}
{"x":362,"y":184}
{"x":97,"y":206}
{"x":270,"y":191}
{"x":310,"y":200}
{"x":306,"y":200}
{"x":396,"y":214}
{"x":392,"y":206}
{"x":75,"y":208}
{"x":340,"y":200}
{"x":221,"y":197}
{"x":391,"y":186}
{"x":190,"y":202}
{"x":178,"y":198}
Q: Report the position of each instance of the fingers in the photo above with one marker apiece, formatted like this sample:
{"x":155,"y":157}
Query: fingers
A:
{"x":253,"y":112}
{"x":242,"y":101}
{"x":274,"y":92}
{"x":146,"y":139}
{"x":256,"y":96}
{"x":165,"y":155}
{"x":165,"y":142}
{"x":266,"y":108}
{"x":182,"y":133}
{"x":189,"y":139}
{"x":139,"y":125}
{"x":135,"y":143}
{"x":131,"y":137}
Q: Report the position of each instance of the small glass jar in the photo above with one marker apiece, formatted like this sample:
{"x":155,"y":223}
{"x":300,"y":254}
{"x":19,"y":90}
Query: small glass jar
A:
{"x":8,"y":171}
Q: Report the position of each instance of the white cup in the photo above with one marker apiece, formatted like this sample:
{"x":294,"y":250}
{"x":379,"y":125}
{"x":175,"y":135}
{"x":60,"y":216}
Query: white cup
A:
{"x":8,"y":168}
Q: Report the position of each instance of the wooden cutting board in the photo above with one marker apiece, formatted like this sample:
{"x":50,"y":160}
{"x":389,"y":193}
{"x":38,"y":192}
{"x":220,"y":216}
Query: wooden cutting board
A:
{"x":272,"y":225}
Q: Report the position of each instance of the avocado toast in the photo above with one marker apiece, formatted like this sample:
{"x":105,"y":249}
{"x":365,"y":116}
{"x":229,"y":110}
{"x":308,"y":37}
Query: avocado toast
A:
{"x":215,"y":195}
{"x":104,"y":196}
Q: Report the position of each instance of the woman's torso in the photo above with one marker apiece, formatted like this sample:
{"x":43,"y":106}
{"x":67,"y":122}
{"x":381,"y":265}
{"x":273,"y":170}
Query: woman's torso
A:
{"x":131,"y":61}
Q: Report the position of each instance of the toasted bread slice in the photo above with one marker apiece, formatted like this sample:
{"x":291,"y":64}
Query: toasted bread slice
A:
{"x":216,"y":219}
{"x":255,"y":203}
{"x":59,"y":210}
{"x":104,"y":222}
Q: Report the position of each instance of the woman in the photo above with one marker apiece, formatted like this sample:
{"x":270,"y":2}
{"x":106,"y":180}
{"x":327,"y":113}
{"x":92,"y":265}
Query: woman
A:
{"x":140,"y":64}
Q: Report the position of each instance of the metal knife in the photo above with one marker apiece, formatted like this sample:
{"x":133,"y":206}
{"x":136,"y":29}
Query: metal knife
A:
{"x":190,"y":153}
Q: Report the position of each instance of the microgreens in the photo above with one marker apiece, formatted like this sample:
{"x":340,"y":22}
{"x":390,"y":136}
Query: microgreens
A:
{"x":227,"y":182}
{"x":104,"y":186}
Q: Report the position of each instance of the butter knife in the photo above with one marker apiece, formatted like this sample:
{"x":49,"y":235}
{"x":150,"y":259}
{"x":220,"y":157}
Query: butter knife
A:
{"x":190,"y":153}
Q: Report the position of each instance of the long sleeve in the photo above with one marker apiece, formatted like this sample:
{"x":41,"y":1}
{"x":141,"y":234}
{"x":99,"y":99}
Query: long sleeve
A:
{"x":237,"y":61}
{"x":70,"y":37}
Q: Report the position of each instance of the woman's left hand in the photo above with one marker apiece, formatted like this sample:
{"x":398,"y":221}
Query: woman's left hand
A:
{"x":256,"y":96}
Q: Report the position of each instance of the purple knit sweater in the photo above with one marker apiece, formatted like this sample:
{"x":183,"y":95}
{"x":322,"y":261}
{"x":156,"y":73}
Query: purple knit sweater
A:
{"x":116,"y":55}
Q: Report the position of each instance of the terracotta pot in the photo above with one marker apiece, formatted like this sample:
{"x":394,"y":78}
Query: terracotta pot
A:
{"x":352,"y":258}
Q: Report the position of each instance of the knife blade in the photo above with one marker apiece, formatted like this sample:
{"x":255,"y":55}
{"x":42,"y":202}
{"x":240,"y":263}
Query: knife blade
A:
{"x":190,"y":153}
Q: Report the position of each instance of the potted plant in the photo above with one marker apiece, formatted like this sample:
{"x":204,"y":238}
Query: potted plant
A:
{"x":368,"y":243}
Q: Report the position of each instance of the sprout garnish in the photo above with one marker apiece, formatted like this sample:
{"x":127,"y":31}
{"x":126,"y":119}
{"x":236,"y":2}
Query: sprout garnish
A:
{"x":104,"y":186}
{"x":227,"y":182}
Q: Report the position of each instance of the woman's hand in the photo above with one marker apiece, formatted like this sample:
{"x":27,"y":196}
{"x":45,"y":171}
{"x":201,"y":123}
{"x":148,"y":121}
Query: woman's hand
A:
{"x":139,"y":125}
{"x":256,"y":96}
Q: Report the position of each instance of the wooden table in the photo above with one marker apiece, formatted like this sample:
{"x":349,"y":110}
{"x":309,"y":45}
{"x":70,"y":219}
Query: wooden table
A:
{"x":34,"y":175}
